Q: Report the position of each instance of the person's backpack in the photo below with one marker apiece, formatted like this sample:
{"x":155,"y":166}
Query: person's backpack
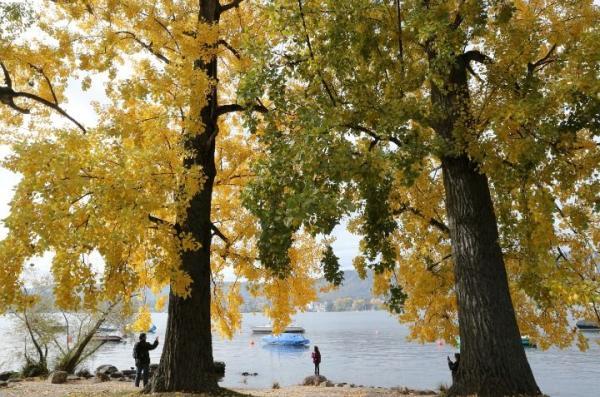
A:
{"x":135,"y":350}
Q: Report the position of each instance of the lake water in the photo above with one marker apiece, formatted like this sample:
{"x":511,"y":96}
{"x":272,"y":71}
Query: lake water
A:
{"x":366,"y":348}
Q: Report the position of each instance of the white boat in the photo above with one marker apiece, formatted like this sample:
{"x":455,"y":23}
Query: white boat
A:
{"x":268,"y":329}
{"x":588,"y":326}
{"x":107,"y":338}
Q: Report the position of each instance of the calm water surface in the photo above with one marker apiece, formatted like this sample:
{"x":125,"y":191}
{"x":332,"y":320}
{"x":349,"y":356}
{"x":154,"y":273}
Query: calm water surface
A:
{"x":367,"y":348}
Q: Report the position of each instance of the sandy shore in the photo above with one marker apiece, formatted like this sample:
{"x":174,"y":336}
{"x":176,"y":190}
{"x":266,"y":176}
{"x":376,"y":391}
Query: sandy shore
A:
{"x":124,"y":389}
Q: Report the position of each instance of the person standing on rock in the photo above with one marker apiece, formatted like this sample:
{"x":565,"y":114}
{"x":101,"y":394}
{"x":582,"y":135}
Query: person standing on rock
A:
{"x":316,"y":357}
{"x":142,"y":359}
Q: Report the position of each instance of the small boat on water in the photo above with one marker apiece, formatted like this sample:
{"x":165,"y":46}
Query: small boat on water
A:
{"x":526,"y":342}
{"x":107,"y":328}
{"x":268,"y":329}
{"x":107,"y":338}
{"x":587,"y":326}
{"x":286,"y":339}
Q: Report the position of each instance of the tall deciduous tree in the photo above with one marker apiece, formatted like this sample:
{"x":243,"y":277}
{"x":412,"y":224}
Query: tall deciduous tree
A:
{"x":147,"y":188}
{"x":463,"y":137}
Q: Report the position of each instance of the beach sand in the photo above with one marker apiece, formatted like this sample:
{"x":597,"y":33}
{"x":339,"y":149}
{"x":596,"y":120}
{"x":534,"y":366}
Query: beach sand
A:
{"x":43,"y":388}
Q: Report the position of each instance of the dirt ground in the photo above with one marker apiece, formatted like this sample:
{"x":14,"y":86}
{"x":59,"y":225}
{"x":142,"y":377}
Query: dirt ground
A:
{"x":81,"y":388}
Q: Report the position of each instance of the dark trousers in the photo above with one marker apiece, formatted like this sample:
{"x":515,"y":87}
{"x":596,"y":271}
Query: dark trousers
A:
{"x":317,"y":368}
{"x":142,"y":371}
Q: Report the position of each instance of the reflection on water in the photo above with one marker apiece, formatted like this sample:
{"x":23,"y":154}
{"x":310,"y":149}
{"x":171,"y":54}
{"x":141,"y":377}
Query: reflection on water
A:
{"x":368,"y":348}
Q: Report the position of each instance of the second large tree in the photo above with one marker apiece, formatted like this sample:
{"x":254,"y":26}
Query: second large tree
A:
{"x":433,"y":123}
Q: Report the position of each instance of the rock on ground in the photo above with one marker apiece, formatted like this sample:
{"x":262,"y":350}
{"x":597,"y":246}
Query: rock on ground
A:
{"x":6,"y":375}
{"x":58,"y":377}
{"x":84,"y":373}
{"x":106,"y":369}
{"x":314,"y":380}
{"x":101,"y":377}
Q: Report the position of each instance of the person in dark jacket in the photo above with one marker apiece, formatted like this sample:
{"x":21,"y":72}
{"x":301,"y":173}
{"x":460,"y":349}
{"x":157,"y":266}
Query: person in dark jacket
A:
{"x":142,"y":359}
{"x":316,"y":357}
{"x":454,"y":365}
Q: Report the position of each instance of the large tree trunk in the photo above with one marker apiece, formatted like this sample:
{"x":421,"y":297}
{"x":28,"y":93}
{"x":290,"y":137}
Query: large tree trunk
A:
{"x":187,"y":363}
{"x":493,"y":361}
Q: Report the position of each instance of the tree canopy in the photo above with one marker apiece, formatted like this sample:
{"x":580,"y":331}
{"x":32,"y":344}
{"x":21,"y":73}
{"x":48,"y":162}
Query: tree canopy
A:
{"x":353,"y":133}
{"x":105,"y":198}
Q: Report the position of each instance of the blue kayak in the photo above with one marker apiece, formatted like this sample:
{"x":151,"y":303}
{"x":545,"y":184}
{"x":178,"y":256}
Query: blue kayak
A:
{"x":286,"y":339}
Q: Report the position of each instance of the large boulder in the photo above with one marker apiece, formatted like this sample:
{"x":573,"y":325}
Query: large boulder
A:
{"x":314,"y":380}
{"x":101,"y":377}
{"x":4,"y":376}
{"x":84,"y":373}
{"x":106,"y":369}
{"x":130,"y":373}
{"x":58,"y":377}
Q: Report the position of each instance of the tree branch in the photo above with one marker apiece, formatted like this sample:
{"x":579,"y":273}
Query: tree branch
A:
{"x":147,"y":46}
{"x":159,"y":221}
{"x":432,"y":265}
{"x":166,"y":29}
{"x":432,"y":221}
{"x":218,"y":232}
{"x":51,"y":105}
{"x":312,"y":55}
{"x":372,"y":133}
{"x":8,"y":95}
{"x":458,"y":18}
{"x":235,"y":107}
{"x":400,"y":45}
{"x":41,"y":71}
{"x":229,"y":6}
{"x":548,"y":58}
{"x":476,"y":56}
{"x":232,"y":49}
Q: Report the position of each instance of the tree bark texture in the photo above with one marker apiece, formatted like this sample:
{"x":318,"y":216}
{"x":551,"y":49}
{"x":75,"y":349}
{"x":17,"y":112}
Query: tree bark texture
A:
{"x":187,"y":362}
{"x":493,"y":361}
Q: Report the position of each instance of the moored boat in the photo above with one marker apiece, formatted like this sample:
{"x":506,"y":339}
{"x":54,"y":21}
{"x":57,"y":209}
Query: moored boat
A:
{"x":107,"y":328}
{"x":588,"y":326}
{"x":526,"y":342}
{"x":286,"y":339}
{"x":268,"y":329}
{"x":107,"y":338}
